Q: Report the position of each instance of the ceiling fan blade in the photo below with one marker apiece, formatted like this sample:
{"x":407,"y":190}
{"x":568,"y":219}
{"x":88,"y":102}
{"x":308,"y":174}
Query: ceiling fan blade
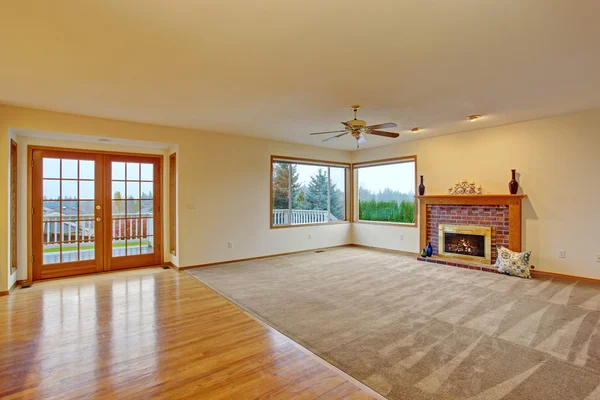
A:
{"x":334,"y":137}
{"x":348,"y":125}
{"x":382,"y":126}
{"x":321,"y":133}
{"x":386,"y":134}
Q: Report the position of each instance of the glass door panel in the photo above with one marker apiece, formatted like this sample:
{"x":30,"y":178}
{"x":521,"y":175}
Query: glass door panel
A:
{"x":64,"y":213}
{"x":133,"y":216}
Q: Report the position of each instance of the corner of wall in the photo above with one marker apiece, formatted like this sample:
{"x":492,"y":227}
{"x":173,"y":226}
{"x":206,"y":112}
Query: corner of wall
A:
{"x":5,"y":275}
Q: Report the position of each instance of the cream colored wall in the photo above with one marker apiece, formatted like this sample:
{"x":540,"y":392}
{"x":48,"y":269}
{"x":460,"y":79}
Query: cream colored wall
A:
{"x":558,"y":168}
{"x":226,"y":177}
{"x":4,"y":204}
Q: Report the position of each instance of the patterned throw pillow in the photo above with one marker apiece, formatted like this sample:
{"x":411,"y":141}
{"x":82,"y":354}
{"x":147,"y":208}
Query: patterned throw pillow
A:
{"x":513,"y":263}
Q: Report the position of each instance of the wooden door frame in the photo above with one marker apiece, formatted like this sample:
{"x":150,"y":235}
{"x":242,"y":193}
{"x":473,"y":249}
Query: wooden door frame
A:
{"x":31,"y":148}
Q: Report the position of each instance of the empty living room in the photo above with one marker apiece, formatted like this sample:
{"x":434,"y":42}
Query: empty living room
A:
{"x":394,"y":199}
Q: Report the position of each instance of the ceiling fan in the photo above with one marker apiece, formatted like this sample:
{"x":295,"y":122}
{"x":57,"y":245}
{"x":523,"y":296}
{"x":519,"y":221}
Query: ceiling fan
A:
{"x":358,"y":128}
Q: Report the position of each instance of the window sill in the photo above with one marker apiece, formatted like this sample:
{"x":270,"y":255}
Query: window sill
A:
{"x":313,"y":224}
{"x":398,"y":224}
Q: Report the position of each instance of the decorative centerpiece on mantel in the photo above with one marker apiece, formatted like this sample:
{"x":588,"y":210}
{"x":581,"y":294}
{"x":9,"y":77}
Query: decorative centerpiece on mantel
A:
{"x":465,"y":188}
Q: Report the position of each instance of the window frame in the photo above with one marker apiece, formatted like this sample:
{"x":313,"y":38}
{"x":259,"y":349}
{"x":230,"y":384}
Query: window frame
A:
{"x":374,"y":163}
{"x":320,"y":163}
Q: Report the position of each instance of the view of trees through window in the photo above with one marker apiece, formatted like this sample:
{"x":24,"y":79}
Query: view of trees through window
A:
{"x":307,"y":193}
{"x":386,"y":193}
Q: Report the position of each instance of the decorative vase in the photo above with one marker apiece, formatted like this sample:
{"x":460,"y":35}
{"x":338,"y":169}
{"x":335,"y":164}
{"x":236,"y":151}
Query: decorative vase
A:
{"x":429,"y":250}
{"x":424,"y":253}
{"x":513,"y":185}
{"x":421,"y":187}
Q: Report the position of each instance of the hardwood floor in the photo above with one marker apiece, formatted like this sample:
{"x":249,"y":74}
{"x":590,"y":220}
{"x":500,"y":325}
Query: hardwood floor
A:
{"x":150,"y":333}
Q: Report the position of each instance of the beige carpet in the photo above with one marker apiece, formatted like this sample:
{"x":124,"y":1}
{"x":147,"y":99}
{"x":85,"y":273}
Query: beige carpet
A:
{"x":413,"y":330}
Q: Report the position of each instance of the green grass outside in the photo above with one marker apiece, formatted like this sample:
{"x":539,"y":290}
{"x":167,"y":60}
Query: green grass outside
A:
{"x":91,"y":246}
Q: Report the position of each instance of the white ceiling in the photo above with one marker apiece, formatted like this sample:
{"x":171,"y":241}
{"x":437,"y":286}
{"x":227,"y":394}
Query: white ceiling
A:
{"x":281,"y":69}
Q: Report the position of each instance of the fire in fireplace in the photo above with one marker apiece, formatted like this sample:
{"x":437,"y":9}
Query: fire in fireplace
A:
{"x":466,"y":242}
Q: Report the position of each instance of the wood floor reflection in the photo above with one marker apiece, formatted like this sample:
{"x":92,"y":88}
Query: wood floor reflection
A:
{"x":149,"y":333}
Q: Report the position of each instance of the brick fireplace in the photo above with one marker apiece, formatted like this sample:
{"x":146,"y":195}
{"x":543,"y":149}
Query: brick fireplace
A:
{"x":500,"y":212}
{"x":495,"y":217}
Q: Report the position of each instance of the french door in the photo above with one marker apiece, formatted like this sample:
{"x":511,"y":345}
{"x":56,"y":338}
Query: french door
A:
{"x":133,"y":212}
{"x":94,"y":212}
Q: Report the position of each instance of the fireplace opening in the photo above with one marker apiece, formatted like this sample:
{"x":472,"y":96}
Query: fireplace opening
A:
{"x":464,"y":244}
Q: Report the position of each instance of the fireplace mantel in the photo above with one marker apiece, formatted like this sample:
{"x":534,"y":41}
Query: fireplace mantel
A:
{"x":495,"y":199}
{"x":512,"y":201}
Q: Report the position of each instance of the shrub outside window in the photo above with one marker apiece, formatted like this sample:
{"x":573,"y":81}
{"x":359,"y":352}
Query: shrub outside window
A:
{"x":386,"y":191}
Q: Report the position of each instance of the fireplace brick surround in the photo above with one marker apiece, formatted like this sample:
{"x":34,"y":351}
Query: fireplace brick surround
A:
{"x":500,"y":212}
{"x":494,"y":216}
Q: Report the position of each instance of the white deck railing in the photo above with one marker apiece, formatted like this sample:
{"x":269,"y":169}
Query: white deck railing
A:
{"x":82,"y":228}
{"x":282,"y":217}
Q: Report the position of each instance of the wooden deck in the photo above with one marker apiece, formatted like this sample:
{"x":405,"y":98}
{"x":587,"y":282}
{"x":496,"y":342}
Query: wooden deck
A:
{"x":150,"y":333}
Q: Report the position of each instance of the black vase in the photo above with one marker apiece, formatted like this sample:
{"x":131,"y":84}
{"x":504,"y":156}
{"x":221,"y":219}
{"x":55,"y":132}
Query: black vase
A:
{"x":421,"y":187}
{"x":429,"y":250}
{"x":513,"y":185}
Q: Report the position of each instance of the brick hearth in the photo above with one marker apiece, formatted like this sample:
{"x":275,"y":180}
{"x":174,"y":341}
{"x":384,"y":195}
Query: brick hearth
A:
{"x":459,"y":263}
{"x":494,"y":216}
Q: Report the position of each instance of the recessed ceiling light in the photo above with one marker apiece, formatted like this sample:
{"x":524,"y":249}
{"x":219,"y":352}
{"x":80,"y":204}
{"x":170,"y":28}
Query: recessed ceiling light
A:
{"x":474,"y":117}
{"x":415,"y":130}
{"x":104,"y":140}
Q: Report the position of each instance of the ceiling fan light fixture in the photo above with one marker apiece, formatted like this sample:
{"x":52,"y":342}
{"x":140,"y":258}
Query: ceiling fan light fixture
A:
{"x":473,"y":117}
{"x":358,"y":128}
